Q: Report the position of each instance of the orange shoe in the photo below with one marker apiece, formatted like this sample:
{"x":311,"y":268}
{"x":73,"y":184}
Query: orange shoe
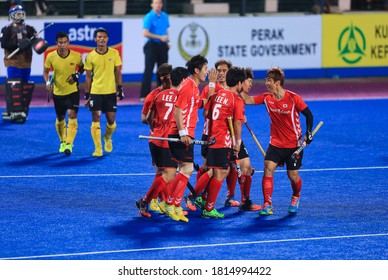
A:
{"x":143,"y":208}
{"x":249,"y":206}
{"x":190,"y":203}
{"x":231,"y":202}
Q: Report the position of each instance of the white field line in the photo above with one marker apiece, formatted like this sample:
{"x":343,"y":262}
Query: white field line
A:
{"x":200,"y":246}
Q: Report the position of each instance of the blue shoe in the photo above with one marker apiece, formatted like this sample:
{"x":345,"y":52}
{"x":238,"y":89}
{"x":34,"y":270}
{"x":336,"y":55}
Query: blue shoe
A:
{"x":294,"y":206}
{"x":267,"y":210}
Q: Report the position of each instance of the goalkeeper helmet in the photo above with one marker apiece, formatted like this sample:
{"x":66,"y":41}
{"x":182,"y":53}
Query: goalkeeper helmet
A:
{"x":17,"y":14}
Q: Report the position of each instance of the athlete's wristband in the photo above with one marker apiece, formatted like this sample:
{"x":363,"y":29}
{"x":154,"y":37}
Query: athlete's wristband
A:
{"x":238,"y":142}
{"x":182,"y":132}
{"x":212,"y":85}
{"x":48,"y":84}
{"x":87,"y":95}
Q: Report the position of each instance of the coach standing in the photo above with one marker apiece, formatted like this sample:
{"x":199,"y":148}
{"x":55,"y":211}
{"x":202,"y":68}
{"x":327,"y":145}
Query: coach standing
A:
{"x":155,"y":29}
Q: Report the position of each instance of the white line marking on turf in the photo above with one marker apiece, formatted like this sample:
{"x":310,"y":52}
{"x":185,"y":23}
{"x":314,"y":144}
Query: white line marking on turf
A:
{"x":198,"y":246}
{"x":152,"y":174}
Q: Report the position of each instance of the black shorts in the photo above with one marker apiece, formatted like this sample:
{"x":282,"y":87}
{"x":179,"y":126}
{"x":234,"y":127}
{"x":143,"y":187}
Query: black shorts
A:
{"x":62,"y":103}
{"x":283,"y":155}
{"x":103,"y":102}
{"x":219,"y":157}
{"x":180,"y":152}
{"x":204,"y":147}
{"x":243,"y":153}
{"x":161,"y":157}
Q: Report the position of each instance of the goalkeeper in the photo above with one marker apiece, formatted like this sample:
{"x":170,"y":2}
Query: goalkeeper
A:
{"x":67,"y":67}
{"x":22,"y":37}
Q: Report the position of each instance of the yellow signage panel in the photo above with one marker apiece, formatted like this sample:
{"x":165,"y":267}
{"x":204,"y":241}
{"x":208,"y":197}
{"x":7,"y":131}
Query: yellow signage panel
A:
{"x":355,"y":40}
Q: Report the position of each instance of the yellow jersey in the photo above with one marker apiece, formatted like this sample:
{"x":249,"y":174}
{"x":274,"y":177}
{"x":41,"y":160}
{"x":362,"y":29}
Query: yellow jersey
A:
{"x":63,"y":67}
{"x":103,"y":70}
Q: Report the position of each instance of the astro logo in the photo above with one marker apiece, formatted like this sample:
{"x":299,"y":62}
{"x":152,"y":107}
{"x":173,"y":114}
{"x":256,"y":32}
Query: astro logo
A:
{"x":352,"y":44}
{"x":84,"y":33}
{"x":193,"y":40}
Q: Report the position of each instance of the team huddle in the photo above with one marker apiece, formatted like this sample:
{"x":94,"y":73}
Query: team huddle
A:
{"x":171,"y":111}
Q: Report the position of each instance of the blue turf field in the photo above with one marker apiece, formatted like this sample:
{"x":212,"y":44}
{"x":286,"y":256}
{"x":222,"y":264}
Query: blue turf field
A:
{"x":57,"y":207}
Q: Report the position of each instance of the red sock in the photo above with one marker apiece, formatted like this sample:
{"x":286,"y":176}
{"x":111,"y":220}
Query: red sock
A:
{"x":155,"y":188}
{"x":157,"y":175}
{"x":202,"y":183}
{"x":179,"y":196}
{"x":178,"y":185}
{"x":167,"y":191}
{"x":246,"y":182}
{"x":231,"y":181}
{"x":205,"y":193}
{"x":267,"y":186}
{"x":296,"y":187}
{"x":214,"y":189}
{"x":200,"y":172}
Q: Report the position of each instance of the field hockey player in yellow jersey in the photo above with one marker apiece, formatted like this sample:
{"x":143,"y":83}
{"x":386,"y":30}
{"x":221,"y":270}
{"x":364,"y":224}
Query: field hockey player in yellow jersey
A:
{"x":67,"y":67}
{"x":103,"y":83}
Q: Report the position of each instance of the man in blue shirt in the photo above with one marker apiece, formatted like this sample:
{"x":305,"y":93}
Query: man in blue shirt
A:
{"x":155,"y":29}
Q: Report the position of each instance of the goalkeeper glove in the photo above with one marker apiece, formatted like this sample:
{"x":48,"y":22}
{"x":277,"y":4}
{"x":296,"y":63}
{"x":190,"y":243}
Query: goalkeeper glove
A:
{"x":24,"y":44}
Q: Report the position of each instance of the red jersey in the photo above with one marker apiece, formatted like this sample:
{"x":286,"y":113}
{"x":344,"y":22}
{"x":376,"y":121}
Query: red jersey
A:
{"x":163,"y":107}
{"x":224,"y":104}
{"x":188,"y":101}
{"x":205,"y":90}
{"x":204,"y":95}
{"x":149,"y":100}
{"x":286,"y":130}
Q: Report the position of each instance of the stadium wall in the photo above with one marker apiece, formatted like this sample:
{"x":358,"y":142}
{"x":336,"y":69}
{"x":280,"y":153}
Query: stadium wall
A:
{"x":305,"y":46}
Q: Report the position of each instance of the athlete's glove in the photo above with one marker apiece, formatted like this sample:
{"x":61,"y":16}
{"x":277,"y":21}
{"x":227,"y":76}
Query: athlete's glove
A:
{"x":308,"y":137}
{"x":87,"y":100}
{"x":24,"y":44}
{"x":120,"y":94}
{"x":73,"y":78}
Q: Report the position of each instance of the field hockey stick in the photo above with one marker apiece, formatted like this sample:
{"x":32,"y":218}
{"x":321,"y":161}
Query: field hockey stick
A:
{"x":15,"y":51}
{"x":196,"y":142}
{"x":49,"y":92}
{"x":231,"y":129}
{"x":297,"y":152}
{"x":191,"y":188}
{"x":254,"y":136}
